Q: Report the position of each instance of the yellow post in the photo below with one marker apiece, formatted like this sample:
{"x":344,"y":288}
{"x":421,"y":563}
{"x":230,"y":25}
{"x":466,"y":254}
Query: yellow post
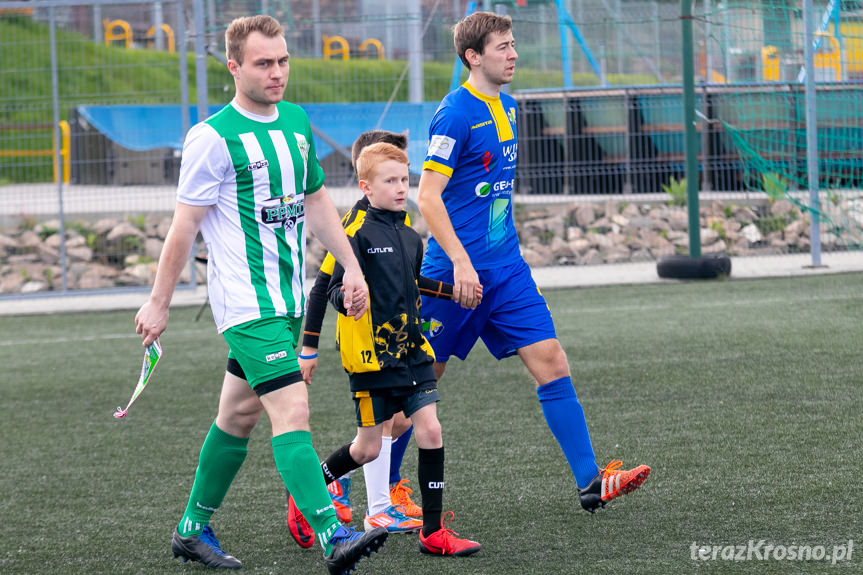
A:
{"x":110,"y":35}
{"x":65,"y":164}
{"x":342,"y":50}
{"x":65,"y":147}
{"x":770,"y":63}
{"x":831,"y":59}
{"x":169,"y":35}
{"x":377,"y":44}
{"x":852,"y":43}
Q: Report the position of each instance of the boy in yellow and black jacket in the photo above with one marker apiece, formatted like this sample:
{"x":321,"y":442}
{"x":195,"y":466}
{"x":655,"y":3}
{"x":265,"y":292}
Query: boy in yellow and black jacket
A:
{"x":387,"y":492}
{"x":388,"y":360}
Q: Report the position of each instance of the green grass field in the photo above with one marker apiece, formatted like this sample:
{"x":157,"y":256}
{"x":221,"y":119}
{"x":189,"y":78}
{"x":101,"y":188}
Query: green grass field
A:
{"x":744,"y":397}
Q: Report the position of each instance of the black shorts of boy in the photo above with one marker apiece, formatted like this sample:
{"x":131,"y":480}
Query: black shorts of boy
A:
{"x":376,"y":406}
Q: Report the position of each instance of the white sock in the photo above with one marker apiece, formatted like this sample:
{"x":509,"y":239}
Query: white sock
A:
{"x":377,"y":474}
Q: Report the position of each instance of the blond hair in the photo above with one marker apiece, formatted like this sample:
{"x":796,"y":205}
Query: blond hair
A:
{"x":371,"y":156}
{"x":240,"y":29}
{"x":472,"y":32}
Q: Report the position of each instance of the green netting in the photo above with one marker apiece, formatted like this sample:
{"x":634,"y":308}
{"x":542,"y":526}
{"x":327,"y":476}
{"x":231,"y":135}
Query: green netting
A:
{"x":766,"y":126}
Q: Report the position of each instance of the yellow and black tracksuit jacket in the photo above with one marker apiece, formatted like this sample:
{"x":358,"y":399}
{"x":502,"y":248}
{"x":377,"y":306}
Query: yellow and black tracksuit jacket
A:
{"x":316,"y":303}
{"x":386,"y":348}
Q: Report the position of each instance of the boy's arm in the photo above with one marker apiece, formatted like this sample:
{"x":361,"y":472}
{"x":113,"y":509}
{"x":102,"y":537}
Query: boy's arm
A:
{"x":335,"y":291}
{"x":434,"y":288}
{"x":442,"y":290}
{"x":316,"y":311}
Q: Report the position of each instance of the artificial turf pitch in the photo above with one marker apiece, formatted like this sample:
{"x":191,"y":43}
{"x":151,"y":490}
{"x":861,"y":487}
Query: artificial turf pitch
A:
{"x":743,"y":396}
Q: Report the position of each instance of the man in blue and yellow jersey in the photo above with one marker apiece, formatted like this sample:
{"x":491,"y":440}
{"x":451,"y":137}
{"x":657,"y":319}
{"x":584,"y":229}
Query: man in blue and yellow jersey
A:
{"x":465,"y":196}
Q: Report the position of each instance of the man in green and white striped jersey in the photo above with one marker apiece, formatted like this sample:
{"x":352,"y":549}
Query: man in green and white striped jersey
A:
{"x":250,"y":182}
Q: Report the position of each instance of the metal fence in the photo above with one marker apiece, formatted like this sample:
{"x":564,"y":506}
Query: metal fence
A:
{"x":96,"y":96}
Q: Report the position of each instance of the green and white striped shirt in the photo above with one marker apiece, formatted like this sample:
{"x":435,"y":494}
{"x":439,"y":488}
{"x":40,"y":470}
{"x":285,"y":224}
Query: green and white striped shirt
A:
{"x":254,"y":172}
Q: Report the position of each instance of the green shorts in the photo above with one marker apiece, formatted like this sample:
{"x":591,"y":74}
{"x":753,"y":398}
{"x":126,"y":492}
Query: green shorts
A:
{"x":263,"y":349}
{"x":379,"y":405}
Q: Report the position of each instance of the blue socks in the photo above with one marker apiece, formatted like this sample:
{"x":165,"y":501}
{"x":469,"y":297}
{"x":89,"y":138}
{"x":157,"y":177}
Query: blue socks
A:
{"x":397,"y":454}
{"x":565,"y":419}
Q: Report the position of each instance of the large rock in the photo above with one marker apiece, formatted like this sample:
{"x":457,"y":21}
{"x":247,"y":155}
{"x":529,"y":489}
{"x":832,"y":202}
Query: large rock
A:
{"x":593,"y":257}
{"x":560,"y":248}
{"x":617,"y":255}
{"x":709,"y":236}
{"x":584,"y":215}
{"x":752,"y":234}
{"x":124,"y":230}
{"x":781,"y":208}
{"x":537,"y":255}
{"x":599,"y":241}
{"x":678,"y":220}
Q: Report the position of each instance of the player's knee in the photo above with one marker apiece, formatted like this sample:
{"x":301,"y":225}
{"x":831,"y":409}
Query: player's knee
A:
{"x":555,"y":361}
{"x":364,"y":453}
{"x":239,"y":420}
{"x":300,"y":412}
{"x":429,"y":435}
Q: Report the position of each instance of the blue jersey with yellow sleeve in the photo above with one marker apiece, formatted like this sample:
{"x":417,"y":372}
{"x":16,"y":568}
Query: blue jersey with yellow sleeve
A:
{"x":472,"y":140}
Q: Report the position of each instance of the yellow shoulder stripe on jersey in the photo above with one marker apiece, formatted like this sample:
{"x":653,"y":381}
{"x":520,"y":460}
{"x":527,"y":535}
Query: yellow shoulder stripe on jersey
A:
{"x":498,"y":115}
{"x":501,"y":122}
{"x":436,"y":167}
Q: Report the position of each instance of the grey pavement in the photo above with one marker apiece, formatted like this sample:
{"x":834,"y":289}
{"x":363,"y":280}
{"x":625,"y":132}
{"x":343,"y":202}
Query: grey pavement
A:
{"x":554,"y":277}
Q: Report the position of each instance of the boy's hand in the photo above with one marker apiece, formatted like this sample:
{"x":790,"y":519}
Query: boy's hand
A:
{"x":356,"y":293}
{"x":308,"y":366}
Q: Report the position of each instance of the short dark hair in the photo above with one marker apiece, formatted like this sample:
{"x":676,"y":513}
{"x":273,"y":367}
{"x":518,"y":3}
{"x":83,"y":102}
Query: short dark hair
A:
{"x":472,"y":32}
{"x":375,"y":137}
{"x":240,"y":28}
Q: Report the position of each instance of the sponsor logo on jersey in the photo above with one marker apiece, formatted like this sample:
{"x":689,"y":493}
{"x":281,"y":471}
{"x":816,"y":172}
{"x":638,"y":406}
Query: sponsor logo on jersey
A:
{"x":435,"y":484}
{"x":383,"y":250}
{"x":503,"y":186}
{"x":283,"y":211}
{"x":511,"y":115}
{"x":278,"y":355}
{"x":481,"y":124}
{"x":303,"y":145}
{"x":483,"y":189}
{"x":487,"y":160}
{"x":441,"y":146}
{"x":433,"y":327}
{"x":510,"y":152}
{"x":258,"y":165}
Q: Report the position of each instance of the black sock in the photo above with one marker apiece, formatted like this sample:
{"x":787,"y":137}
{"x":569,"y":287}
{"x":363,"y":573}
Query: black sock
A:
{"x":430,"y":477}
{"x":338,"y":463}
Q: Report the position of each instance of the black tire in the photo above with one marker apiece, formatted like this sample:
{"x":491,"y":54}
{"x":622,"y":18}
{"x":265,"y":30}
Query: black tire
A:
{"x":708,"y":266}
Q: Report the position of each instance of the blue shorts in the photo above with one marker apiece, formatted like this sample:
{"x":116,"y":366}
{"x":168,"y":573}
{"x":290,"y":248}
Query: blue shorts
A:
{"x":513,"y":314}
